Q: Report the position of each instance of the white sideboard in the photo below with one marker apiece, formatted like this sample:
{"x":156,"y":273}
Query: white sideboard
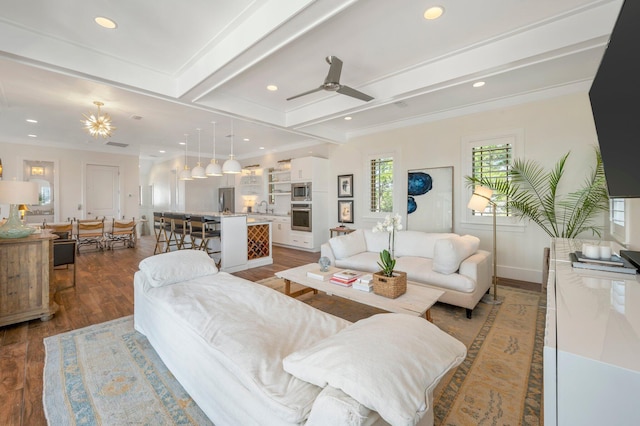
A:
{"x":592,"y":344}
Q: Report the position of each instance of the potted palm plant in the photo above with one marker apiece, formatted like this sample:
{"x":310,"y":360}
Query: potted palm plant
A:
{"x":532,"y":194}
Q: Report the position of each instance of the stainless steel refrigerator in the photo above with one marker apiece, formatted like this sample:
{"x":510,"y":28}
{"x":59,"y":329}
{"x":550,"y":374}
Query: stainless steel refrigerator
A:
{"x":226,"y":200}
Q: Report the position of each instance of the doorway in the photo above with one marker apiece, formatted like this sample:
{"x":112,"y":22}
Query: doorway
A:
{"x":102,"y":191}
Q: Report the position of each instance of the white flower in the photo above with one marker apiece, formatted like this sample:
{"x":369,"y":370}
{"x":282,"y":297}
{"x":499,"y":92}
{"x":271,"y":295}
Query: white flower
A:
{"x":390,"y":224}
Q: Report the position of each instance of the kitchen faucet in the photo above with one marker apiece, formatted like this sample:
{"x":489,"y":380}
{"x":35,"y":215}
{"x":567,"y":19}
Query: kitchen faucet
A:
{"x":265,"y":205}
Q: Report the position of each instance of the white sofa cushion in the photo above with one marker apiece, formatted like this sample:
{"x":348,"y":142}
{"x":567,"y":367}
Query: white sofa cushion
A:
{"x":348,"y":245}
{"x":354,"y":361}
{"x":177,"y":266}
{"x":417,"y":243}
{"x":376,"y":241}
{"x":451,"y":251}
{"x":366,"y":261}
{"x":420,"y":270}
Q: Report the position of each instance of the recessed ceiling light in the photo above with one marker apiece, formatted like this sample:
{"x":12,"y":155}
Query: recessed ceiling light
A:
{"x":162,"y":151}
{"x":272,"y":87}
{"x":262,"y":147}
{"x":105,"y":22}
{"x":181,"y":143}
{"x":433,"y":12}
{"x":33,"y":136}
{"x":31,"y":120}
{"x":246,"y":139}
{"x":348,"y":118}
{"x":478,"y":84}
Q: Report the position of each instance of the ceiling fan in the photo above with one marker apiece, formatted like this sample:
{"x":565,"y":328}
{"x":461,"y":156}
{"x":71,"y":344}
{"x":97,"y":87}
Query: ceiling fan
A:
{"x":332,"y":82}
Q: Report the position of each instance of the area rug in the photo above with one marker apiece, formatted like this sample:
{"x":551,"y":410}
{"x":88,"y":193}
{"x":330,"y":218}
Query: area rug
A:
{"x":108,"y":374}
{"x":500,"y":381}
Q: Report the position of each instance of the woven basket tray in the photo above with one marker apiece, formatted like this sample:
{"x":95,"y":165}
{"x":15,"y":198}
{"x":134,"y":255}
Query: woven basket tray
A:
{"x":390,"y":287}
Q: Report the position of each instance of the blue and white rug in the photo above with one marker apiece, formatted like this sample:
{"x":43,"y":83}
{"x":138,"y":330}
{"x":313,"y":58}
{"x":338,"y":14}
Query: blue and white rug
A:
{"x":108,"y":374}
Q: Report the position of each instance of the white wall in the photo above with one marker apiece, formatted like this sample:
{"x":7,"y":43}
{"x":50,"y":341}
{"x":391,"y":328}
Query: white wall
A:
{"x":551,"y":128}
{"x":70,"y":176}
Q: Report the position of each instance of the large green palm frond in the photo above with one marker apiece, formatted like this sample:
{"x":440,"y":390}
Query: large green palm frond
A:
{"x":532,"y":193}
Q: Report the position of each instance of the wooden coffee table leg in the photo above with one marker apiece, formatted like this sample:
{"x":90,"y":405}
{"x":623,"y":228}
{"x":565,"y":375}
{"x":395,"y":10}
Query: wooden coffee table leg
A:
{"x":287,"y":287}
{"x":427,"y":315}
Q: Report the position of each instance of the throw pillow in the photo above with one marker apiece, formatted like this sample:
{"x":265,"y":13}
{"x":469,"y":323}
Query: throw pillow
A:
{"x":345,"y":246}
{"x":388,"y":362}
{"x":450,"y":252}
{"x":177,"y":266}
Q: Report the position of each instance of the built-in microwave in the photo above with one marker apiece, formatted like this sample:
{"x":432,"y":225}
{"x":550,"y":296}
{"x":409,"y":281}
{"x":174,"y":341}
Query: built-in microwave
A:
{"x":301,"y":191}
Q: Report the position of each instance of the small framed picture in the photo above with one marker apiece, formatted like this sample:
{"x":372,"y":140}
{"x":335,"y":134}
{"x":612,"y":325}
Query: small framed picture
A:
{"x":345,"y":186}
{"x":345,"y":211}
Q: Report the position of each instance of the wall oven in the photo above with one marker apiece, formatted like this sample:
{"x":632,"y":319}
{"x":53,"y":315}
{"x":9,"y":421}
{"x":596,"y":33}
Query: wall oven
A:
{"x":301,"y":217}
{"x":301,"y":191}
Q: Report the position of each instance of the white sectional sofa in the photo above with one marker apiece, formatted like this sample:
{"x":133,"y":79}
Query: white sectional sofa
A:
{"x":446,"y":261}
{"x":249,"y":355}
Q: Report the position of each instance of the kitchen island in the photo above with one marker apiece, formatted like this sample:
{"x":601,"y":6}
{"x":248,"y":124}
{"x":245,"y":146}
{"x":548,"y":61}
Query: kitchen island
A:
{"x":244,"y":242}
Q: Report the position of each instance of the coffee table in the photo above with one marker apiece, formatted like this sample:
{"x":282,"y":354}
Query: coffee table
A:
{"x":418,"y":299}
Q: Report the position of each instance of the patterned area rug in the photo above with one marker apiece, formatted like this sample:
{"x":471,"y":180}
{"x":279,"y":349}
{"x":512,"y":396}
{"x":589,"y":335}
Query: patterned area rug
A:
{"x":500,"y":381}
{"x":108,"y":374}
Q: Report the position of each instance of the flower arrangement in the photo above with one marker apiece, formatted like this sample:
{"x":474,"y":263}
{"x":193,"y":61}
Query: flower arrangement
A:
{"x":391,"y":224}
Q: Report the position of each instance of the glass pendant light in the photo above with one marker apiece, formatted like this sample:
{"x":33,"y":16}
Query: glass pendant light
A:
{"x":213,"y":168}
{"x":198,"y":170}
{"x":185,"y":174}
{"x":231,"y":166}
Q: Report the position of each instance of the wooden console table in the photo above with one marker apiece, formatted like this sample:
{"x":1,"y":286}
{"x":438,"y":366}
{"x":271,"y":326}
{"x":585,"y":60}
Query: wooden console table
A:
{"x":26,"y":266}
{"x":340,"y":230}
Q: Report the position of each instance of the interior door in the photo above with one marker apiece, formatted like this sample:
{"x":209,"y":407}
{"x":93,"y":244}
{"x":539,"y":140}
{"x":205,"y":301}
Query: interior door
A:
{"x":102,"y":191}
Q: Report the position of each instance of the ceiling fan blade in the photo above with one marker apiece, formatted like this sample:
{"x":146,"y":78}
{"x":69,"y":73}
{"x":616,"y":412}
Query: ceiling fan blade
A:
{"x":335,"y":70}
{"x":346,"y":90}
{"x":317,"y":89}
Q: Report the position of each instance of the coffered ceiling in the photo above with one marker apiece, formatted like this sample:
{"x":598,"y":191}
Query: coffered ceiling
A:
{"x":169,"y":68}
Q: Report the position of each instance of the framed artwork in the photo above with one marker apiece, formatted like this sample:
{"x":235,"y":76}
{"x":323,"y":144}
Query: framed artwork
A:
{"x":430,"y":199}
{"x":345,"y":211}
{"x":345,"y":186}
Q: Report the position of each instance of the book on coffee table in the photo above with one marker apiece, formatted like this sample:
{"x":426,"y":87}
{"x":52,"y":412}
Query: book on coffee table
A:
{"x":347,"y":274}
{"x":317,"y":274}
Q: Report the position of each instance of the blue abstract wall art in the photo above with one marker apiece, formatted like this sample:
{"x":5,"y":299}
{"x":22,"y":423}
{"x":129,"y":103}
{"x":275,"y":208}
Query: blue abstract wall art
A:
{"x":419,"y":184}
{"x":430,"y":199}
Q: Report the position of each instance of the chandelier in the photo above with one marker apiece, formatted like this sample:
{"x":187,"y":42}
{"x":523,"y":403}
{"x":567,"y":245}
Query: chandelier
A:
{"x":98,"y":125}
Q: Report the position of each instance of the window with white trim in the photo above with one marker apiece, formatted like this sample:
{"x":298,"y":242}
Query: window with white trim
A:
{"x":489,"y":155}
{"x":617,"y":219}
{"x":492,"y":162}
{"x":381,"y":184}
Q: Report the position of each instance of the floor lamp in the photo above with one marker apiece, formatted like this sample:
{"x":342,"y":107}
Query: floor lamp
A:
{"x":479,"y":199}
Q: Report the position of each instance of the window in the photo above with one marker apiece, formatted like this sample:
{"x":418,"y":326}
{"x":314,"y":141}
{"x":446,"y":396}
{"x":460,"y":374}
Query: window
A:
{"x":617,"y":219}
{"x":492,"y":162}
{"x":489,"y":156}
{"x":381,"y":185}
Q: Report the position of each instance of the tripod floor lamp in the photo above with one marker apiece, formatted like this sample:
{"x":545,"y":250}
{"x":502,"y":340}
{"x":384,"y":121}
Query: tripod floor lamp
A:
{"x":480,"y":198}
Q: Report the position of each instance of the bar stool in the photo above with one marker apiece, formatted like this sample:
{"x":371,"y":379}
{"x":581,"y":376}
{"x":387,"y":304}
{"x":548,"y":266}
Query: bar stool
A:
{"x":179,"y":231}
{"x":204,"y":229}
{"x":160,"y":230}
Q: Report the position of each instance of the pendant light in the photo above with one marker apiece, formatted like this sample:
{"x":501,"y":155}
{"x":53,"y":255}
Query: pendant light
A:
{"x":214,"y":169}
{"x":185,"y":174}
{"x":198,"y":170}
{"x":231,"y":166}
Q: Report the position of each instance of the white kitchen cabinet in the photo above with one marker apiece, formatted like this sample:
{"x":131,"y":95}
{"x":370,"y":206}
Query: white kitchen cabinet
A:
{"x":281,"y":229}
{"x":301,"y":239}
{"x":310,"y":169}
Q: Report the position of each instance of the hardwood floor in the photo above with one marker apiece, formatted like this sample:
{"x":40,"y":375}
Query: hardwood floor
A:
{"x":104,"y":291}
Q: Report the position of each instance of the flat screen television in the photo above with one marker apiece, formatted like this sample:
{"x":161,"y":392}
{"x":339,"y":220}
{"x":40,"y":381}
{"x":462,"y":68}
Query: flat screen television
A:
{"x":615,"y":102}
